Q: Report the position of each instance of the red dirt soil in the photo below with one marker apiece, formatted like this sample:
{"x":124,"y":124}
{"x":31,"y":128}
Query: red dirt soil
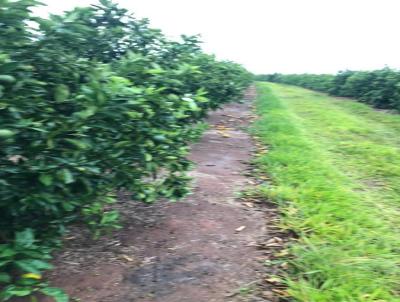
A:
{"x":201,"y":249}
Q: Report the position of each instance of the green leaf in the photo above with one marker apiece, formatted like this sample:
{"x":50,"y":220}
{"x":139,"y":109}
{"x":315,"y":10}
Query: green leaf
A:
{"x":58,"y":294}
{"x":156,"y":71}
{"x":5,"y":133}
{"x":5,"y":294}
{"x":136,"y":90}
{"x":7,"y":79}
{"x":61,"y":93}
{"x":33,"y":265}
{"x":5,"y":278}
{"x":68,"y":206}
{"x":4,"y":262}
{"x":24,"y":238}
{"x":6,"y":252}
{"x":160,"y":138}
{"x":66,"y":176}
{"x":192,"y":104}
{"x":46,"y":179}
{"x":148,"y":157}
{"x":134,"y":114}
{"x":122,"y":144}
{"x":88,"y":112}
{"x":110,"y":217}
{"x":80,"y":144}
{"x":18,"y":292}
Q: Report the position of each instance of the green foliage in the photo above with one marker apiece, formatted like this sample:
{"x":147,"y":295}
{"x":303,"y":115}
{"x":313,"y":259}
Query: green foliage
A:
{"x":91,"y":102}
{"x":379,"y":88}
{"x":319,"y":82}
{"x":335,"y":170}
{"x":22,"y":262}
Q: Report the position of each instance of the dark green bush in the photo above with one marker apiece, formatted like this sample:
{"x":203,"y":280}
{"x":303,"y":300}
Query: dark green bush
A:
{"x":379,"y":88}
{"x":92,"y":101}
{"x":319,"y":82}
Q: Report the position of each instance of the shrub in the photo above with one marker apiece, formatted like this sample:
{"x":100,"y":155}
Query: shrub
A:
{"x":91,"y":102}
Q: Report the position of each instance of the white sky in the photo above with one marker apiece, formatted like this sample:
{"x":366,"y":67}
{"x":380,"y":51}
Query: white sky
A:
{"x":288,"y":36}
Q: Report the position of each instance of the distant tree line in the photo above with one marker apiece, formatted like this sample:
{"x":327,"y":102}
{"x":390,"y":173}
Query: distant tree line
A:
{"x":378,"y":88}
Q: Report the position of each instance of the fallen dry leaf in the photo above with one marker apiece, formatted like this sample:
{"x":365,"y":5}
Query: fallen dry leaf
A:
{"x":274,"y":280}
{"x":274,"y":240}
{"x":282,"y":253}
{"x":253,"y":243}
{"x":127,"y":258}
{"x":280,"y":292}
{"x":241,"y":228}
{"x":273,"y":244}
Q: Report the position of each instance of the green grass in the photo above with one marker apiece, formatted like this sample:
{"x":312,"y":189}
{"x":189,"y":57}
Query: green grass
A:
{"x":335,"y":165}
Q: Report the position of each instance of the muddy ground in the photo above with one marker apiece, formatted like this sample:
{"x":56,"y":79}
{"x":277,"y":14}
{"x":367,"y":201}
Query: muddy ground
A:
{"x":205,"y":248}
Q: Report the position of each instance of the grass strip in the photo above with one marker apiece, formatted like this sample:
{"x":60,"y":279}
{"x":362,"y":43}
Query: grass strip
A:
{"x":348,"y":248}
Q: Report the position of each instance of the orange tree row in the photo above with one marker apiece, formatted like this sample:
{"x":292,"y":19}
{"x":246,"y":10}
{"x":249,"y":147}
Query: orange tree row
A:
{"x":92,"y":101}
{"x":379,"y":88}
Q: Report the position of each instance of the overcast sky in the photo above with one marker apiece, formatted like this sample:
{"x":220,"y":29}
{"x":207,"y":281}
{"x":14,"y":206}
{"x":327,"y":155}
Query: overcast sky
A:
{"x":288,"y":36}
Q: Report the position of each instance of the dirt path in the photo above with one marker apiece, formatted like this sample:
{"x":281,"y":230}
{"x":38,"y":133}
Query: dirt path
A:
{"x":199,"y":250}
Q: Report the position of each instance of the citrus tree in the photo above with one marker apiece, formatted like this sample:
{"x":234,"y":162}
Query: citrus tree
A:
{"x":92,"y":101}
